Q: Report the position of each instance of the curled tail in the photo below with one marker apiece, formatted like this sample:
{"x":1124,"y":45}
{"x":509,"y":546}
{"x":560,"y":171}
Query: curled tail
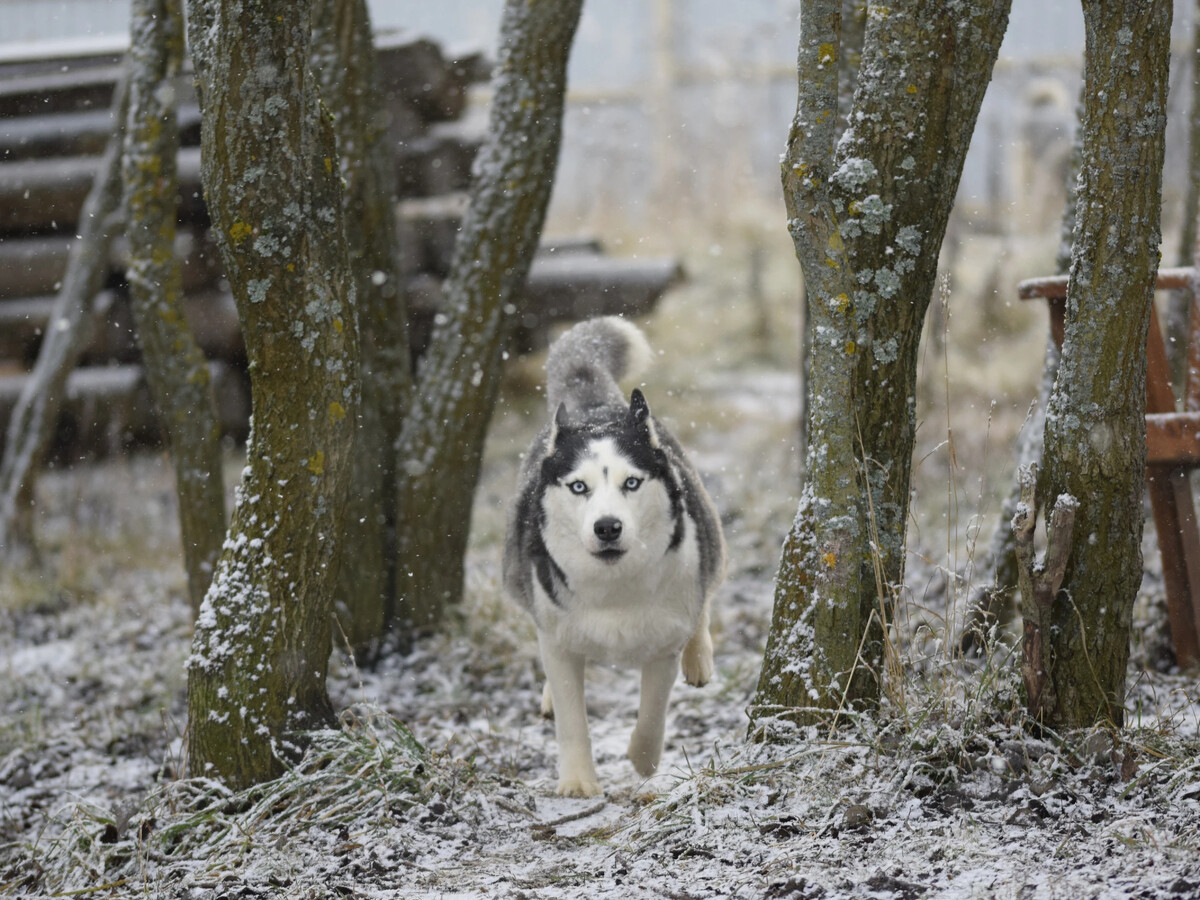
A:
{"x":586,"y":362}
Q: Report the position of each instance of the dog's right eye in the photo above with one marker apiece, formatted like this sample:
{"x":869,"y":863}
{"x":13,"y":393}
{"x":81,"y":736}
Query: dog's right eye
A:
{"x":577,"y":487}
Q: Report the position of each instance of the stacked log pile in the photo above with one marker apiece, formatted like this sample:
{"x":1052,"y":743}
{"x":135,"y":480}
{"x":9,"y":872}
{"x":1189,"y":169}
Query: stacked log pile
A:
{"x":54,"y":123}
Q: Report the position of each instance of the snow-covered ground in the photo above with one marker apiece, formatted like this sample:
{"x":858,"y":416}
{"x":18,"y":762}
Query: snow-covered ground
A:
{"x":939,"y":794}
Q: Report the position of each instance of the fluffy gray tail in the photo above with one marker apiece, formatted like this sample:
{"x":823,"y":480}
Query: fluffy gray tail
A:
{"x":586,"y":362}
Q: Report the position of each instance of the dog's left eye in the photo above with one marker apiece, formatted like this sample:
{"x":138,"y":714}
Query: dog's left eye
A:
{"x":577,"y":487}
{"x":632,"y":483}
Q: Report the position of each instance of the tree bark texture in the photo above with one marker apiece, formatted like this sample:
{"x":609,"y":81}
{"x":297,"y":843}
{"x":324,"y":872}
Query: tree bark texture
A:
{"x":176,"y":370}
{"x":1095,"y":426}
{"x":1040,"y":583}
{"x":36,"y":413}
{"x":924,"y":69}
{"x":344,"y":61}
{"x":262,"y":640}
{"x":993,"y":603}
{"x":812,"y":649}
{"x":441,"y":441}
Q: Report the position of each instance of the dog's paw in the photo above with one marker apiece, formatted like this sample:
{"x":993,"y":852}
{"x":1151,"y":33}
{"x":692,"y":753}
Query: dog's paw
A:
{"x":547,"y":702}
{"x":644,"y":753}
{"x":697,"y":663}
{"x":578,"y":786}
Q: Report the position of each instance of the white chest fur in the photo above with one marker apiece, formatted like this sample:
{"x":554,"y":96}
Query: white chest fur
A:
{"x":627,"y":616}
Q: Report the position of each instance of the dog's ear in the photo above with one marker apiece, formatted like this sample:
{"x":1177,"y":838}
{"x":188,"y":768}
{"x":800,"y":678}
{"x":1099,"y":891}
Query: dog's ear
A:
{"x":560,"y":423}
{"x":639,"y":415}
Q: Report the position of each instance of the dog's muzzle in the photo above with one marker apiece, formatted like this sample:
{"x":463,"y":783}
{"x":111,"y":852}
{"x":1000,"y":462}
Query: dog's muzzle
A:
{"x":608,"y":532}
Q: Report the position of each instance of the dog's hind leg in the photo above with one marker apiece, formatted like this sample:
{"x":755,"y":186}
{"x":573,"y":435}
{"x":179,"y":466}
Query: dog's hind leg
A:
{"x":646,"y":742}
{"x":547,"y":701}
{"x":698,"y":654}
{"x":564,"y":677}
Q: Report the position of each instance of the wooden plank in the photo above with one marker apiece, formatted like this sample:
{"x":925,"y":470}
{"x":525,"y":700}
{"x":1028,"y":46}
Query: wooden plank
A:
{"x":1055,"y":286}
{"x":1173,"y":438}
{"x":1174,"y":517}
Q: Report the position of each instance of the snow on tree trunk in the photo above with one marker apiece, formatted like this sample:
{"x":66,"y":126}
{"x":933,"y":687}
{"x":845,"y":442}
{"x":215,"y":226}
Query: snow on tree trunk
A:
{"x":442,"y":438}
{"x":273,"y":186}
{"x":35,"y":414}
{"x":921,"y":81}
{"x":344,"y":61}
{"x":175,"y":366}
{"x":1095,"y":426}
{"x":813,"y":642}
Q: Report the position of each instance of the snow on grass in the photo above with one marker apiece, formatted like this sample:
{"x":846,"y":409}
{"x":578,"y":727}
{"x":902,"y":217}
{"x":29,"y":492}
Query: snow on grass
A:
{"x":441,"y":781}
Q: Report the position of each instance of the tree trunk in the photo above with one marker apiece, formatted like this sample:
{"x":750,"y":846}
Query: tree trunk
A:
{"x":345,"y":65}
{"x":32,"y":422}
{"x":175,"y":367}
{"x":1095,"y":426}
{"x":993,"y":604}
{"x":442,"y":438}
{"x":924,"y":70}
{"x":820,"y":566}
{"x":262,"y":641}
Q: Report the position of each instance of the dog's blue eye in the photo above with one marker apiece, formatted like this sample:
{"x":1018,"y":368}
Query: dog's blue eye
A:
{"x":632,"y":483}
{"x":577,"y":487}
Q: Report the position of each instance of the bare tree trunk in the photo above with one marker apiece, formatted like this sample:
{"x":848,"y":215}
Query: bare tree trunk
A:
{"x":820,"y":569}
{"x":175,"y":367}
{"x":442,"y":438}
{"x":993,"y":603}
{"x":345,"y":65}
{"x":36,"y":412}
{"x":1095,"y":426}
{"x":261,"y":647}
{"x":924,"y":70}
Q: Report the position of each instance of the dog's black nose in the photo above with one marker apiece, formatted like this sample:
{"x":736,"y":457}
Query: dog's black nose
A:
{"x":608,"y":529}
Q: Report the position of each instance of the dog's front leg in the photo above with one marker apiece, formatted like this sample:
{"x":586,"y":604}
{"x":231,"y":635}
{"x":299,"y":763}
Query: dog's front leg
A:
{"x":646,"y":742}
{"x":564,"y":675}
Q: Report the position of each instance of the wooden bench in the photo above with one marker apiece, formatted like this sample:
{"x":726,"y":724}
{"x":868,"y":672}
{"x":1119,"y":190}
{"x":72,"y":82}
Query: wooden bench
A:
{"x":1172,"y":452}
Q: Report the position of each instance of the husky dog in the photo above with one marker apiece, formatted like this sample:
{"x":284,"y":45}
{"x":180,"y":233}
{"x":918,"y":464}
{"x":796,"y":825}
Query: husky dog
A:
{"x":613,"y":546}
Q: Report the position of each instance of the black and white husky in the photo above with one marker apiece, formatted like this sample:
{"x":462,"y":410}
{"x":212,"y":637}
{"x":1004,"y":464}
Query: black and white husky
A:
{"x":613,"y":546}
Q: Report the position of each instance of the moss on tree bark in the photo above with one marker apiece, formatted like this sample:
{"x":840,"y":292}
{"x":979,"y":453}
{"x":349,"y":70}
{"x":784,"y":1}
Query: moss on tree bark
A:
{"x":175,"y":366}
{"x":262,"y":641}
{"x":892,"y":182}
{"x":441,"y":442}
{"x":1095,"y":426}
{"x":344,"y":61}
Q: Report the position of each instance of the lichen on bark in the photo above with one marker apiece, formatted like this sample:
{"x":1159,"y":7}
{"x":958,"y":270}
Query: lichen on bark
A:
{"x":890,"y":186}
{"x":176,"y":369}
{"x":441,"y":442}
{"x":1095,"y":425}
{"x":262,"y":641}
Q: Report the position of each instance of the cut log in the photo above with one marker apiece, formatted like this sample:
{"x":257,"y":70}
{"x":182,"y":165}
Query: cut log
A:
{"x":39,"y":195}
{"x":108,"y":409}
{"x":426,"y":229}
{"x":438,"y":162}
{"x":575,"y":286}
{"x":32,"y":266}
{"x":73,"y":90}
{"x":74,"y":134}
{"x":416,"y":74}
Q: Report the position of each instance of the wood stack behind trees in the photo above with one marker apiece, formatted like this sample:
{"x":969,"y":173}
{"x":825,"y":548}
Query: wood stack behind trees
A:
{"x":54,"y":123}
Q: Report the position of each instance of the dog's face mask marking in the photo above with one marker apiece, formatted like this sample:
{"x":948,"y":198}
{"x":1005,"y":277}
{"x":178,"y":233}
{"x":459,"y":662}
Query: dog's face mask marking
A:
{"x":605,"y":499}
